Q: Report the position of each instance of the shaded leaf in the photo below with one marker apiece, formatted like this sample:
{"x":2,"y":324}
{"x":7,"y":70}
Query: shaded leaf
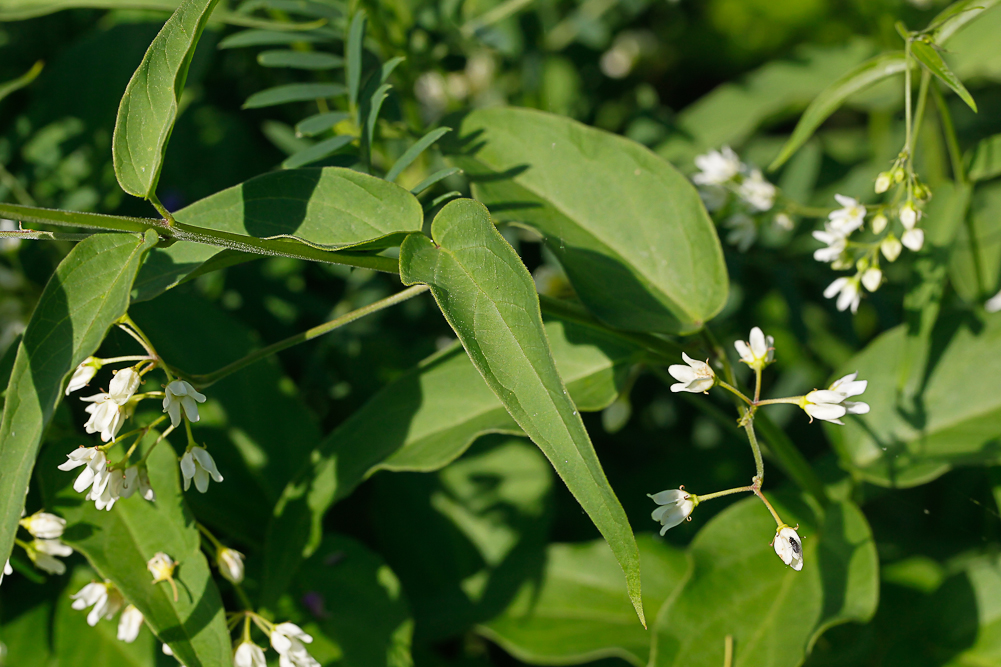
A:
{"x":353,"y":55}
{"x":414,"y":151}
{"x":986,"y":160}
{"x":439,"y":175}
{"x":87,"y":294}
{"x":148,"y":109}
{"x":318,"y":151}
{"x":271,"y":38}
{"x":320,"y":123}
{"x":489,"y":299}
{"x":20,"y":82}
{"x":293,"y":92}
{"x":926,"y":54}
{"x":630,"y":231}
{"x":310,"y":60}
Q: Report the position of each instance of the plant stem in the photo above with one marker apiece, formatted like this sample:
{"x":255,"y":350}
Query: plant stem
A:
{"x":31,"y":235}
{"x":955,"y":155}
{"x":757,"y":385}
{"x":807,"y":211}
{"x":216,"y":544}
{"x":778,"y":520}
{"x":728,"y":492}
{"x":759,"y":465}
{"x":209,"y":379}
{"x":789,"y":458}
{"x":907,"y":101}
{"x":793,"y":400}
{"x":138,"y":339}
{"x":162,"y":210}
{"x":733,"y":390}
{"x":167,"y":431}
{"x":135,"y":357}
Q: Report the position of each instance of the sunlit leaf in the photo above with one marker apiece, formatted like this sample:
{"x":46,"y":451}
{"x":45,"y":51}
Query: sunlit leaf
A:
{"x":926,"y":54}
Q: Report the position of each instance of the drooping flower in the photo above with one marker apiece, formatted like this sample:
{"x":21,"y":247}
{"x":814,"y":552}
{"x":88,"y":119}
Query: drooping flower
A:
{"x":696,"y":377}
{"x":847,"y":290}
{"x":121,"y":484}
{"x":831,"y":404}
{"x":104,"y":599}
{"x":913,"y":239}
{"x":872,"y":278}
{"x":743,"y":231}
{"x":230,"y":564}
{"x":890,"y":247}
{"x":248,"y":654}
{"x":83,"y":374}
{"x":44,"y":526}
{"x":789,"y":547}
{"x":758,"y":350}
{"x":129,"y":624}
{"x":676,"y":505}
{"x":757,"y":192}
{"x":199,"y":465}
{"x":161,"y":566}
{"x":287,"y":639}
{"x":43,"y":554}
{"x":124,"y":385}
{"x":96,"y":472}
{"x":179,"y":394}
{"x":717,"y":167}
{"x":836,"y":244}
{"x":106,"y":416}
{"x":7,"y":569}
{"x":909,"y":215}
{"x":145,"y":488}
{"x":847,"y":219}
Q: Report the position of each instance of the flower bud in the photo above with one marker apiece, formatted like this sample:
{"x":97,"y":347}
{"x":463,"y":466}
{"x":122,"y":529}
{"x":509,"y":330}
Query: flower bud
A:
{"x":230,"y":564}
{"x":883,"y":182}
{"x":83,"y":374}
{"x":44,"y":526}
{"x":909,"y":215}
{"x":879,"y":223}
{"x":898,"y":174}
{"x":891,"y":248}
{"x":789,"y":547}
{"x":913,"y":239}
{"x":676,"y":505}
{"x":872,"y":278}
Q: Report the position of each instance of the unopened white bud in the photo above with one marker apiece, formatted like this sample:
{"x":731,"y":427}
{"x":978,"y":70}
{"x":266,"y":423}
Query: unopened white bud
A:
{"x":879,"y":223}
{"x":883,"y":182}
{"x":891,"y":248}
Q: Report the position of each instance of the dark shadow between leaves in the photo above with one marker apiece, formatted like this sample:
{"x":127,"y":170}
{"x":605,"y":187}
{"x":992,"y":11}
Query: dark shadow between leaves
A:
{"x":266,"y":213}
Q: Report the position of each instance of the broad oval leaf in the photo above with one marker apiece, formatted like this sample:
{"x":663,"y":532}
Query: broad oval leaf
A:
{"x":955,"y":415}
{"x":858,"y":79}
{"x":739,"y":587}
{"x":148,"y":109}
{"x":577,"y":611}
{"x":629,"y":229}
{"x":421,"y":422}
{"x":926,"y":54}
{"x":118,"y":543}
{"x":489,"y":299}
{"x":87,"y":294}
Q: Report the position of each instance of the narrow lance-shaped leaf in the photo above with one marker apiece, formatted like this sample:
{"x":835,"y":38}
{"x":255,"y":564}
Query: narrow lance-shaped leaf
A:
{"x":311,"y":60}
{"x":353,"y":55}
{"x":148,"y":110}
{"x":489,"y":299}
{"x":957,"y":15}
{"x":871,"y":71}
{"x":419,"y":147}
{"x":87,"y":294}
{"x":20,"y":82}
{"x":293,"y":92}
{"x":118,"y":543}
{"x":927,"y":55}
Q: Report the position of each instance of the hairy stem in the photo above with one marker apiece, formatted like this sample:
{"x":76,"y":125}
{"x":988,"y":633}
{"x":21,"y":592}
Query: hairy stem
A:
{"x":759,"y":465}
{"x":728,"y":492}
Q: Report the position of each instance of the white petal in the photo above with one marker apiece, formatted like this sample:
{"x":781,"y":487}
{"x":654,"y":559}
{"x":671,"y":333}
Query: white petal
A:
{"x":857,"y":407}
{"x":835,"y":287}
{"x":826,"y":411}
{"x":681,"y":373}
{"x":758,"y":345}
{"x":669,"y":496}
{"x":206,"y":461}
{"x":744,"y":351}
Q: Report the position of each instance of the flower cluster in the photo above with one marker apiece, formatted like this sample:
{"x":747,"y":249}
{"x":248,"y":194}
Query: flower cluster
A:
{"x":287,"y":639}
{"x":105,"y":601}
{"x":831,"y":404}
{"x":46,"y":546}
{"x":737,"y":194}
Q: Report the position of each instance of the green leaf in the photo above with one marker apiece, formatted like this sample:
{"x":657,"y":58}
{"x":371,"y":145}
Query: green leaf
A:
{"x":320,"y":10}
{"x":630,"y":231}
{"x":363,"y":613}
{"x":118,"y":544}
{"x":271,"y":38}
{"x":975,"y":266}
{"x":148,"y":109}
{"x":353,"y":55}
{"x":26,"y":620}
{"x":310,"y":60}
{"x":827,"y":102}
{"x":293,"y":92}
{"x":489,"y":299}
{"x":441,"y":407}
{"x":18,"y":10}
{"x":21,"y":81}
{"x":370,"y":111}
{"x":87,"y":294}
{"x":439,"y":175}
{"x":578,"y":611}
{"x":318,"y":151}
{"x":76,"y":643}
{"x":314,"y":125}
{"x":411,"y":154}
{"x":957,"y":15}
{"x":953,"y":418}
{"x":985,"y":163}
{"x":739,"y":587}
{"x":927,"y":55}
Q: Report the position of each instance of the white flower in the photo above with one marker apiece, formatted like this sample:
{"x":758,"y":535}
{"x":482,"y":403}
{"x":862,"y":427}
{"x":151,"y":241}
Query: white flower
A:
{"x":717,"y":167}
{"x":105,"y":599}
{"x":891,"y":248}
{"x":96,"y":472}
{"x":248,"y":654}
{"x":743,"y":231}
{"x":287,"y":639}
{"x":676,"y":505}
{"x":847,"y":290}
{"x":846,"y":220}
{"x":179,"y":394}
{"x":758,"y":350}
{"x":83,"y":374}
{"x":106,"y":416}
{"x":145,"y":489}
{"x":836,"y":244}
{"x":43,"y":554}
{"x":830,"y":404}
{"x":696,"y":377}
{"x":872,"y":278}
{"x":993,"y":304}
{"x":883,"y":182}
{"x":199,"y":465}
{"x":129,"y":624}
{"x":166,"y":650}
{"x":121,"y":484}
{"x":783,"y":221}
{"x":124,"y":385}
{"x":913,"y":239}
{"x":161,"y":566}
{"x":230,"y":564}
{"x":44,"y":526}
{"x":789,"y":547}
{"x":7,"y":569}
{"x":909,"y":215}
{"x":879,"y":223}
{"x":757,"y":192}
